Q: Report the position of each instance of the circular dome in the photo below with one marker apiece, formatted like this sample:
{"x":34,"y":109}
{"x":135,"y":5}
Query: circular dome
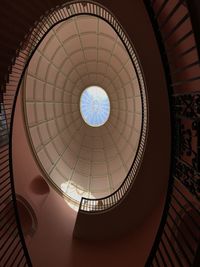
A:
{"x":94,"y":106}
{"x":80,"y":160}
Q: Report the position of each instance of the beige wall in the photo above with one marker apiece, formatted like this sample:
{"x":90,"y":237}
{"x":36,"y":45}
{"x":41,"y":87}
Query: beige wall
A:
{"x":52,"y":244}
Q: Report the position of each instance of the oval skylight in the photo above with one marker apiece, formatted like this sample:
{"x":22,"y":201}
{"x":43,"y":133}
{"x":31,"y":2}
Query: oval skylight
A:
{"x":95,"y":106}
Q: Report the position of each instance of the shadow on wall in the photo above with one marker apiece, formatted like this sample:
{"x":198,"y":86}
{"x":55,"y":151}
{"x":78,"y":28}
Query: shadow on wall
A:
{"x":39,"y":186}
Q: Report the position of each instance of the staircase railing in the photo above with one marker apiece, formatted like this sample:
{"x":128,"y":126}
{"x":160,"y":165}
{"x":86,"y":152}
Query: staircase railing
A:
{"x":64,"y":12}
{"x":13,"y":250}
{"x":178,"y":238}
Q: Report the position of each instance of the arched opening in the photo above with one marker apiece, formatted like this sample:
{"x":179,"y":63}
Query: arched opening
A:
{"x":27,"y":216}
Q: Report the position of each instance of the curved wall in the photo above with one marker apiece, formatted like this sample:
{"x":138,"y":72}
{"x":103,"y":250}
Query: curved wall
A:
{"x":52,"y":243}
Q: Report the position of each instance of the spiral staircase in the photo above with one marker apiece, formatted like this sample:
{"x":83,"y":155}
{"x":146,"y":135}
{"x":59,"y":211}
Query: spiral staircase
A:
{"x":175,"y":24}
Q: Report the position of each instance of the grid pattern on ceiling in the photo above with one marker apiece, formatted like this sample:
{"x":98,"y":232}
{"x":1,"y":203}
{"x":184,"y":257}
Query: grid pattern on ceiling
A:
{"x":75,"y":54}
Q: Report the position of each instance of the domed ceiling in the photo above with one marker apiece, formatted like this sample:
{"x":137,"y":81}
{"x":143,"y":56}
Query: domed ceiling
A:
{"x":81,"y":160}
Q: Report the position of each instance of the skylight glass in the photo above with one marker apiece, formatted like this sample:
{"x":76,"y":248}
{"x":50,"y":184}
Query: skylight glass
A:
{"x":95,"y":106}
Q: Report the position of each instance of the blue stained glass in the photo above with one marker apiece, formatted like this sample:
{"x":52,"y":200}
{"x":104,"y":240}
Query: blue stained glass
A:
{"x":95,"y":106}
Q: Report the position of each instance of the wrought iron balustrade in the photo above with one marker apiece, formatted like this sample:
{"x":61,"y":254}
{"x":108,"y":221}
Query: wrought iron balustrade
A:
{"x":178,"y":238}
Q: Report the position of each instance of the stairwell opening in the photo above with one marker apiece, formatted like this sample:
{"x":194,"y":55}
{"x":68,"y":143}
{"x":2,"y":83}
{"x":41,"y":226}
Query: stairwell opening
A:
{"x":80,"y":160}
